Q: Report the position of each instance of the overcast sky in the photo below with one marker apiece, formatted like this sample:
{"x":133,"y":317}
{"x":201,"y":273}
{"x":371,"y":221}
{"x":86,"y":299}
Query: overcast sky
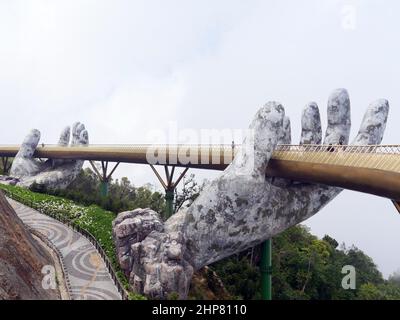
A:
{"x":127,"y":68}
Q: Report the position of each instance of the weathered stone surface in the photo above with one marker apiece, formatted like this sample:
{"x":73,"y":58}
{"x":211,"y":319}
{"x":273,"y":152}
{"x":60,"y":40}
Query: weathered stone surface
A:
{"x":241,"y":208}
{"x":53,"y":173}
{"x":150,"y":257}
{"x":339,"y":121}
{"x":158,"y":262}
{"x":131,"y":227}
{"x":8,"y":180}
{"x":311,"y":131}
{"x":286,"y":132}
{"x":21,"y":259}
{"x":374,"y":123}
{"x":206,"y":285}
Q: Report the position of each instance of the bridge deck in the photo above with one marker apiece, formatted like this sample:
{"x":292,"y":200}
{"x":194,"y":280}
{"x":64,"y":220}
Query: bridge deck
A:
{"x":370,"y":169}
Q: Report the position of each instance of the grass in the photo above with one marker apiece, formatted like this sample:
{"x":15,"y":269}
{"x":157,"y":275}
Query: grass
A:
{"x":92,"y":218}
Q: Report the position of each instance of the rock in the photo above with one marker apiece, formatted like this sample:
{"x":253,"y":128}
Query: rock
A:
{"x":239,"y":209}
{"x":53,"y":173}
{"x":21,"y":259}
{"x":206,"y":285}
{"x":131,"y":227}
{"x":311,"y":131}
{"x":139,"y":238}
{"x":8,"y":180}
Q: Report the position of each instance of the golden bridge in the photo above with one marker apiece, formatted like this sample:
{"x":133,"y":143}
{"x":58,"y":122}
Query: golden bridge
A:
{"x":373,"y":169}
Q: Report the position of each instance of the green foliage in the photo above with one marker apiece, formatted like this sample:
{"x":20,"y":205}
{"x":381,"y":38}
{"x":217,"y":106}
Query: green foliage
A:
{"x":390,"y":291}
{"x":334,"y":244}
{"x":7,"y":164}
{"x":173,"y":296}
{"x":305,"y":267}
{"x":36,"y":187}
{"x":92,"y":218}
{"x":240,"y":278}
{"x":99,"y":223}
{"x":187,"y":194}
{"x":135,"y":296}
{"x":82,"y":203}
{"x":395,"y":278}
{"x":85,"y":189}
{"x":369,"y":291}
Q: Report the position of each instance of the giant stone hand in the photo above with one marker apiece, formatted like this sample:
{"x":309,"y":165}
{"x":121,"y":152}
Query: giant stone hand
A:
{"x":242,"y":207}
{"x":53,"y":173}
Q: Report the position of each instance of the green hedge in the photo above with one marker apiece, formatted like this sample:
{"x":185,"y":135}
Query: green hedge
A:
{"x":93,"y":219}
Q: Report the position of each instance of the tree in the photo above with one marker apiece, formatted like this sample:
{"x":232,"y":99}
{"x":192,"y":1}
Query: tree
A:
{"x":331,"y":241}
{"x":369,"y":291}
{"x":188,"y":193}
{"x":305,"y":267}
{"x":5,"y":165}
{"x":395,"y":278}
{"x":123,"y":195}
{"x":367,"y":271}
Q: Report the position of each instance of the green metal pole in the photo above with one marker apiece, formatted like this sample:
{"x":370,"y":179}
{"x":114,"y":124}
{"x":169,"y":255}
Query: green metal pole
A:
{"x":104,"y":188}
{"x":266,"y":270}
{"x":169,"y":201}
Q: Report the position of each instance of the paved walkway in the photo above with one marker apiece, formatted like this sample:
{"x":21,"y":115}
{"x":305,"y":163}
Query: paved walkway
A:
{"x":88,"y":275}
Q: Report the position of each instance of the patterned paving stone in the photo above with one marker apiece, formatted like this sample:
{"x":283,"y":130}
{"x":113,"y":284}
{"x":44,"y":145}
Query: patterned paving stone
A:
{"x":86,"y":269}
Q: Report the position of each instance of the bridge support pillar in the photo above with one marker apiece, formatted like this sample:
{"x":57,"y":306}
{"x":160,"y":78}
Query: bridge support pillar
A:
{"x":169,"y":187}
{"x":6,"y":165}
{"x":104,"y":177}
{"x":104,"y":188}
{"x":169,"y":202}
{"x":266,"y":270}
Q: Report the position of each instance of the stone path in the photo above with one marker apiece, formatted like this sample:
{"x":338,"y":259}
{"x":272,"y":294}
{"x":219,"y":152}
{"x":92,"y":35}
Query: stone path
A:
{"x":88,"y":276}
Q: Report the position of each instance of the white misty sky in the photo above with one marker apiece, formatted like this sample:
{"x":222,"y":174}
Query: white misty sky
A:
{"x":127,"y":68}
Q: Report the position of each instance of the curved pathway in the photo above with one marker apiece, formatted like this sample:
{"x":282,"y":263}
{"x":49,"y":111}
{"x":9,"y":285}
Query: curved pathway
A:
{"x":88,"y":276}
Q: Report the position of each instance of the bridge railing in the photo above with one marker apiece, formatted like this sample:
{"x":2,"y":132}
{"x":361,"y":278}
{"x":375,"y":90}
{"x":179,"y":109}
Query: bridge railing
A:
{"x":380,"y":149}
{"x":222,"y":148}
{"x":60,"y":217}
{"x":383,"y":157}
